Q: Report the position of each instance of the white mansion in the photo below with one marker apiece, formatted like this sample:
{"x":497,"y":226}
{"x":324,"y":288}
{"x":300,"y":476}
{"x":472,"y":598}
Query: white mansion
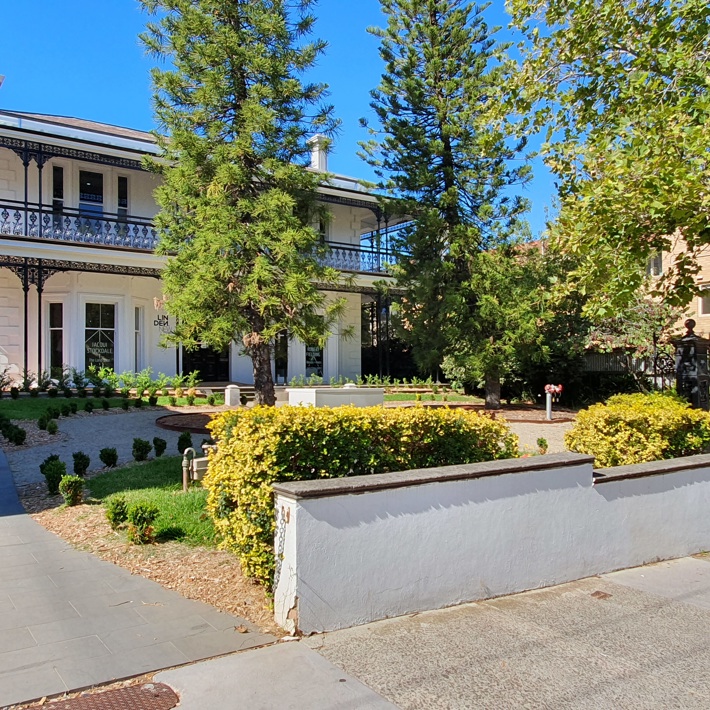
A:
{"x":80,"y":283}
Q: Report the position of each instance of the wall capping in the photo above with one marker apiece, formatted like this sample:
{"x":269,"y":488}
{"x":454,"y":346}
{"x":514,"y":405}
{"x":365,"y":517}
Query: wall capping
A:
{"x":329,"y":487}
{"x":652,"y":468}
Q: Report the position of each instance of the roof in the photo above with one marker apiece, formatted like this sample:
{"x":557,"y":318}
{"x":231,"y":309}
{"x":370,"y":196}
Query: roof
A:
{"x":83,"y":124}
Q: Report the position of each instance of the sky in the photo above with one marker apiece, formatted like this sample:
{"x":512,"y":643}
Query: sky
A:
{"x":82,"y":58}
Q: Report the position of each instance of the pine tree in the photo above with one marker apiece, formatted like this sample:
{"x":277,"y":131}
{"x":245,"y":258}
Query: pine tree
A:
{"x":237,"y":203}
{"x":435,"y":151}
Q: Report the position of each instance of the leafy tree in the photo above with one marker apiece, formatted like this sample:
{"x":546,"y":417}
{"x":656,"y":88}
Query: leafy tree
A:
{"x":237,"y":202}
{"x":622,"y":88}
{"x":434,"y":149}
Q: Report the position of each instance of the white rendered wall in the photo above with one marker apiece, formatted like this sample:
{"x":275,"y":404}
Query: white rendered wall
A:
{"x":354,"y":558}
{"x":335,"y":396}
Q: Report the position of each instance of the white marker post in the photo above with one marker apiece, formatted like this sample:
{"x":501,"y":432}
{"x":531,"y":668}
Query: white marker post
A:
{"x":548,"y":407}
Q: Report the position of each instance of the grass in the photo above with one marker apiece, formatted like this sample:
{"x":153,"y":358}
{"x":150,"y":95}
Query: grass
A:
{"x":34,"y":407}
{"x":183,"y":516}
{"x":412,"y":397}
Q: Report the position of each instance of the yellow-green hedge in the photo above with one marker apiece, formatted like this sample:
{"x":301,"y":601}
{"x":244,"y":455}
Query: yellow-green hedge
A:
{"x":635,"y":428}
{"x":260,"y":446}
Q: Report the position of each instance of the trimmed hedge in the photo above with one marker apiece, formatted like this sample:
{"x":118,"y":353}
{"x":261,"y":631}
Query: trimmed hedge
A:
{"x":260,"y":446}
{"x":636,"y":428}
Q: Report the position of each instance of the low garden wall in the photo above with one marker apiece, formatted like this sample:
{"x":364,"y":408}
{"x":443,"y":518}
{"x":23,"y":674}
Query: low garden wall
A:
{"x":354,"y":550}
{"x":336,"y":396}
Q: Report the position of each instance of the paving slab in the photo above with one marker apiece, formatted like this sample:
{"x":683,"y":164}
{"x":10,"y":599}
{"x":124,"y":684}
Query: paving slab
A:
{"x":588,"y":644}
{"x":69,"y":620}
{"x":288,"y":676}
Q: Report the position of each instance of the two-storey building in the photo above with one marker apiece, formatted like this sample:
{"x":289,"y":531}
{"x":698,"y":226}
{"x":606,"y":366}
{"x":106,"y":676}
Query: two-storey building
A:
{"x":79,"y":279}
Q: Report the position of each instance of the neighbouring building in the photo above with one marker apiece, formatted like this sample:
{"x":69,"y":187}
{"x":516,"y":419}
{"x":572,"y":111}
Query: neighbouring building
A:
{"x":80,"y":282}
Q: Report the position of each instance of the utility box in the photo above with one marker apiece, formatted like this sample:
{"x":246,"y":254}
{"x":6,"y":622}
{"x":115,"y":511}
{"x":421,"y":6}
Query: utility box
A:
{"x":691,"y":367}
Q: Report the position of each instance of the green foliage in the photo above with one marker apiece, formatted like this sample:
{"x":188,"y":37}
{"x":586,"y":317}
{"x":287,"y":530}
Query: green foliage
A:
{"x":138,"y":403}
{"x":68,"y":393}
{"x":635,"y":428}
{"x":172,"y":401}
{"x":14,"y":392}
{"x":542,"y":445}
{"x":621,"y":90}
{"x":184,"y":441}
{"x":81,"y":463}
{"x":74,"y":407}
{"x":66,"y":410}
{"x":72,"y":489}
{"x":52,"y":427}
{"x":141,"y":517}
{"x":108,"y":457}
{"x":451,"y":169}
{"x":88,"y":407}
{"x":42,"y":422}
{"x":116,"y":511}
{"x":257,"y":447}
{"x":237,"y":199}
{"x":211,"y":400}
{"x":105,"y":404}
{"x":141,"y":449}
{"x":159,"y":445}
{"x":125,"y":404}
{"x":190,"y":400}
{"x":53,"y":471}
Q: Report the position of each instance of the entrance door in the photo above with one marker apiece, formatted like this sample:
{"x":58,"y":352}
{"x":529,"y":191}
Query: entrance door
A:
{"x":212,"y":365}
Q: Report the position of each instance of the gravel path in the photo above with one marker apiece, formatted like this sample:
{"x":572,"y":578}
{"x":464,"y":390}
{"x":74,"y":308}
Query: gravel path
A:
{"x":90,"y":434}
{"x":529,"y":432}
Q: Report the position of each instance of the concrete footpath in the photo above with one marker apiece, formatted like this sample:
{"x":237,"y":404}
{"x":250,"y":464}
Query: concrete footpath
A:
{"x":69,"y":620}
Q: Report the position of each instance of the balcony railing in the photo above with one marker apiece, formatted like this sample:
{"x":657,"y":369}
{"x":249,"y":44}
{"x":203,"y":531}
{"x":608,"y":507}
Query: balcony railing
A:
{"x":70,"y":225}
{"x":111,"y":230}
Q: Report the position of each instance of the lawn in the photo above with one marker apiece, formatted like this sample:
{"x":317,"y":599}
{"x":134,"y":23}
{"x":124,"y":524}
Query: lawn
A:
{"x":34,"y":407}
{"x":182,"y":515}
{"x":425,"y":397}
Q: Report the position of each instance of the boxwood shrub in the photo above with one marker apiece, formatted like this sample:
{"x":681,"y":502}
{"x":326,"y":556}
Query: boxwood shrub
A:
{"x":260,"y":446}
{"x":636,"y":428}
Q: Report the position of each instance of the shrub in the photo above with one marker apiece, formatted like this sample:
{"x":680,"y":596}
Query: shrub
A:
{"x":53,"y":472}
{"x":108,"y":457}
{"x":14,"y":392}
{"x":260,"y":446}
{"x":109,"y":392}
{"x":211,"y":400}
{"x":190,"y":400}
{"x":88,"y":407}
{"x":66,"y":410}
{"x":152,"y":400}
{"x":68,"y":393}
{"x":105,"y":404}
{"x":140,"y":523}
{"x":172,"y":401}
{"x":125,"y":404}
{"x":138,"y":403}
{"x":81,"y":463}
{"x":52,"y":392}
{"x":116,"y":511}
{"x":47,"y":461}
{"x":42,"y":422}
{"x":635,"y":428}
{"x":74,"y":407}
{"x":81,"y":392}
{"x":34,"y":392}
{"x":16,"y":435}
{"x":159,"y":445}
{"x":184,"y":442}
{"x":72,"y":489}
{"x":141,"y":449}
{"x":52,"y":427}
{"x":53,"y":412}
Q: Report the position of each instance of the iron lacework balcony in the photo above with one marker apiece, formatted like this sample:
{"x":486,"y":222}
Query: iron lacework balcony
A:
{"x":137,"y":233}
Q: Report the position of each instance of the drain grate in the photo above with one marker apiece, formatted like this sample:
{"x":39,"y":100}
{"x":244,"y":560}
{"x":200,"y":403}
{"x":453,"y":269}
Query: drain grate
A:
{"x":149,"y":696}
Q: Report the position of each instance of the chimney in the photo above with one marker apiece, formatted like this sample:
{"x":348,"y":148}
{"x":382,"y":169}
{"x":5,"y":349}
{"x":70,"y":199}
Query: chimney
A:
{"x":319,"y":152}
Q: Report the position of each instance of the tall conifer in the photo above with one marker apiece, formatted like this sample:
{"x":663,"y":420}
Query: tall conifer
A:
{"x":434,"y":150}
{"x":237,"y":201}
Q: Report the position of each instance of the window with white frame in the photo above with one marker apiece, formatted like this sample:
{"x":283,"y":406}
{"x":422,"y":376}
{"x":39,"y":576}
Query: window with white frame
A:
{"x":704,"y":302}
{"x":91,"y":193}
{"x":56,"y":339}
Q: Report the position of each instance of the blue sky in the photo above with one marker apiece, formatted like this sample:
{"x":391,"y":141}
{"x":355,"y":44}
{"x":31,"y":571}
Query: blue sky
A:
{"x":82,"y":58}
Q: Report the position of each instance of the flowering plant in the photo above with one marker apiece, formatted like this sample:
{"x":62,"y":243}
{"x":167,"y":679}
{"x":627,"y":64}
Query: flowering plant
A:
{"x":554,"y":390}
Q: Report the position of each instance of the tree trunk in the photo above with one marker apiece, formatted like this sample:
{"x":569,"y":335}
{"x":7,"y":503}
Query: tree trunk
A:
{"x":263,"y":377}
{"x":492,"y":390}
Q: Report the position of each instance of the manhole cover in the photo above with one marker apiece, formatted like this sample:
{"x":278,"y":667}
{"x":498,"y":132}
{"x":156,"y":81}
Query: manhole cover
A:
{"x":149,"y":696}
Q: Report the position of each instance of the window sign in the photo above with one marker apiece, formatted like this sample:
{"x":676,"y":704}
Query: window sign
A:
{"x":100,"y":335}
{"x":314,"y":360}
